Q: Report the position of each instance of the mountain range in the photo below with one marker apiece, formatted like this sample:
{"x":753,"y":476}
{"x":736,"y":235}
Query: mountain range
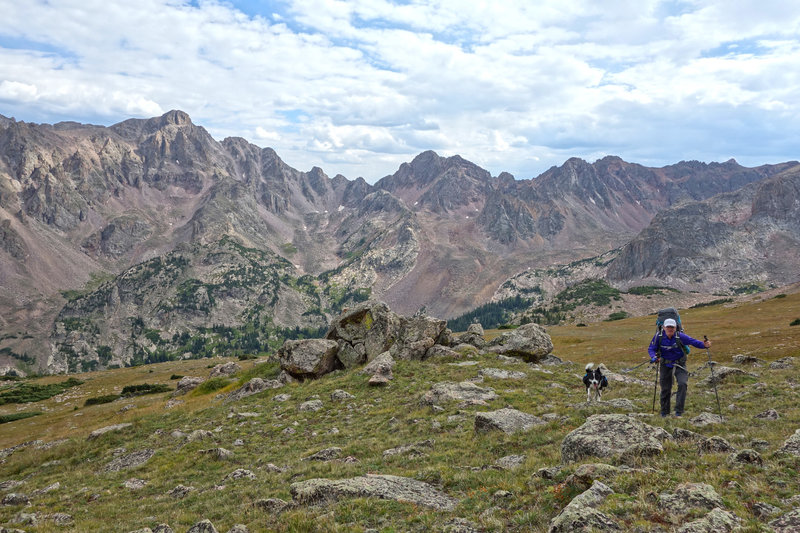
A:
{"x":149,"y":239}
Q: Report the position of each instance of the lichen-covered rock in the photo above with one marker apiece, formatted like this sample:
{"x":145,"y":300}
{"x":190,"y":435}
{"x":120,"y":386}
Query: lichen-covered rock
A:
{"x":499,"y":373}
{"x":254,"y":386}
{"x":465,"y":391}
{"x":792,"y":444}
{"x":530,"y":342}
{"x":130,"y":460}
{"x":788,"y":523}
{"x":747,"y":457}
{"x":187,"y":384}
{"x":340,"y":395}
{"x":309,"y":358}
{"x":310,"y":405}
{"x":769,"y":414}
{"x":706,"y":419}
{"x":716,"y":521}
{"x":681,"y":434}
{"x":274,"y":506}
{"x":204,"y":526}
{"x":382,"y":364}
{"x":721,"y":373}
{"x":511,"y":462}
{"x":414,"y":450}
{"x":715,"y":444}
{"x":384,"y":487}
{"x":581,"y":513}
{"x":328,"y":454}
{"x":688,"y":496}
{"x":506,"y":420}
{"x":225,"y":369}
{"x":612,"y":435}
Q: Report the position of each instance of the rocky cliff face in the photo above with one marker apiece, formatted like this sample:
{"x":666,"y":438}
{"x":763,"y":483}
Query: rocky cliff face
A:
{"x":81,"y":205}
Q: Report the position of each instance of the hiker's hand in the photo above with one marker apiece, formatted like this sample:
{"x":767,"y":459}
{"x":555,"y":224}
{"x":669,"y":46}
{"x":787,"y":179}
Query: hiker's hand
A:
{"x":707,"y":343}
{"x":653,"y":360}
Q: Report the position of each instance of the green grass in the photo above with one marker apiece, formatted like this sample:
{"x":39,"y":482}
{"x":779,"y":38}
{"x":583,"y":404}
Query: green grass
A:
{"x":382,"y":418}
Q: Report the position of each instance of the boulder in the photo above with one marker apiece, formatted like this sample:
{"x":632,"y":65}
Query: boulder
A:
{"x":339,"y":395}
{"x":204,"y":526}
{"x":328,"y":454}
{"x":530,"y":342}
{"x":384,"y":487}
{"x":788,"y":523}
{"x":274,"y":506}
{"x":382,"y":364}
{"x":716,"y":521}
{"x":706,"y":419}
{"x":715,"y":444}
{"x":464,"y":391}
{"x":310,"y":405}
{"x":179,"y":492}
{"x":689,"y":496}
{"x":721,"y":373}
{"x":437,"y":351}
{"x":612,"y":435}
{"x":792,"y":444}
{"x":511,"y":462}
{"x":769,"y":414}
{"x":371,"y":328}
{"x":506,"y":420}
{"x":187,"y":384}
{"x":309,"y":358}
{"x":581,"y":514}
{"x":782,"y":364}
{"x":254,"y":386}
{"x":379,"y":380}
{"x":746,"y":457}
{"x":225,"y":369}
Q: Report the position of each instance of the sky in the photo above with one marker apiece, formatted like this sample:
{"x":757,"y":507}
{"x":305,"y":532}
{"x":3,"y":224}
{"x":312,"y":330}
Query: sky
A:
{"x":358,"y":87}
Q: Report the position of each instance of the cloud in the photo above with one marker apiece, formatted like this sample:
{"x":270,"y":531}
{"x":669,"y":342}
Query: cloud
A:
{"x":353,"y":86}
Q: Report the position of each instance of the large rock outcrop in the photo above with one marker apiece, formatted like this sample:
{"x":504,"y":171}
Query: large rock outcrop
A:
{"x":530,"y":342}
{"x":612,"y":435}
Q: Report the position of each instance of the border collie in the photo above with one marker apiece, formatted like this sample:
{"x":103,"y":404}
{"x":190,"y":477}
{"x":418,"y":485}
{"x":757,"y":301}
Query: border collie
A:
{"x":595,"y":382}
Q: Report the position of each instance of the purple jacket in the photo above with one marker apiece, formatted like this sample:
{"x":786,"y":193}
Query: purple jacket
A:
{"x":670,"y":351}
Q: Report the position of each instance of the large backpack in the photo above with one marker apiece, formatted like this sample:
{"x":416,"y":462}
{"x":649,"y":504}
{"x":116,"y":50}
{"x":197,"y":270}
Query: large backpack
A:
{"x":663,"y":314}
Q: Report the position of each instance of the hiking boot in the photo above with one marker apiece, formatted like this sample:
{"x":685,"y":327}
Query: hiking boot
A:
{"x":678,"y":415}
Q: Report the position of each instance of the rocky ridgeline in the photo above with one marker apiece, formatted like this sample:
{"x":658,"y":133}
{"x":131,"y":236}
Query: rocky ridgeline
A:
{"x":369,"y":339}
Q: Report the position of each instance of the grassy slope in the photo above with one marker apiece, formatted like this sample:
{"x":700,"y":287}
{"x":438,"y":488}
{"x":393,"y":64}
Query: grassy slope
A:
{"x":379,"y":419}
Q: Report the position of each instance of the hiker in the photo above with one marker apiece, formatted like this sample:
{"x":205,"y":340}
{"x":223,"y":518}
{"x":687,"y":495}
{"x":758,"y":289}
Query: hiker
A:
{"x":668,"y":349}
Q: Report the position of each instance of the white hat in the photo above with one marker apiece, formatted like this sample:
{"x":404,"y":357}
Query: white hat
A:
{"x":670,"y":322}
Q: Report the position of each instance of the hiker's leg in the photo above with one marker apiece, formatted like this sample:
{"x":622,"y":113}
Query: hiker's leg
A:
{"x":666,"y":388}
{"x":682,"y":377}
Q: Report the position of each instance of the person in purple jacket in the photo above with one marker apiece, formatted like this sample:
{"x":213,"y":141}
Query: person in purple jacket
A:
{"x":668,"y":348}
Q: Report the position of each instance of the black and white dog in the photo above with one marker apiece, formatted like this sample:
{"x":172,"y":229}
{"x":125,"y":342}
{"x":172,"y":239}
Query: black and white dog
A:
{"x":595,"y":382}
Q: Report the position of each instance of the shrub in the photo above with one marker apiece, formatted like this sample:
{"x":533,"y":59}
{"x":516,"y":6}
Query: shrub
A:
{"x":795,"y":322}
{"x":211,"y":385}
{"x":617,"y":315}
{"x":145,"y":388}
{"x":30,"y":392}
{"x":175,"y":376}
{"x":18,"y":416}
{"x":580,"y":325}
{"x":712,"y":302}
{"x":97,"y":400}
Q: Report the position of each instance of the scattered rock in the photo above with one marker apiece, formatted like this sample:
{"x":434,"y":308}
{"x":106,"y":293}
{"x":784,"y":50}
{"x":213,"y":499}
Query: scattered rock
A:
{"x":130,"y":460}
{"x":788,"y":523}
{"x":198,"y":435}
{"x":449,"y":391}
{"x":309,"y":358}
{"x":383,"y":487}
{"x":204,"y":526}
{"x":721,"y":373}
{"x":498,"y":373}
{"x":748,"y":457}
{"x":15,"y":498}
{"x":716,"y":521}
{"x":612,"y":435}
{"x":437,"y":351}
{"x":792,"y":444}
{"x":715,"y":444}
{"x":102,"y":431}
{"x":741,"y":359}
{"x":417,"y":449}
{"x":134,"y":484}
{"x":187,"y":384}
{"x":239,"y":473}
{"x":511,"y":462}
{"x":162,"y":528}
{"x":586,"y":474}
{"x":281,"y":397}
{"x":340,"y":395}
{"x":220,"y":454}
{"x":706,"y":419}
{"x":173,"y":403}
{"x":254,"y":386}
{"x":580,"y":514}
{"x":782,"y":364}
{"x":681,"y":434}
{"x":10,"y":484}
{"x":311,"y":405}
{"x":688,"y":496}
{"x":180,"y":492}
{"x":379,"y":380}
{"x":530,"y":342}
{"x":239,"y":528}
{"x":506,"y":420}
{"x":273,"y":506}
{"x":764,"y":510}
{"x":328,"y":454}
{"x":225,"y":369}
{"x":769,"y":414}
{"x":548,"y":472}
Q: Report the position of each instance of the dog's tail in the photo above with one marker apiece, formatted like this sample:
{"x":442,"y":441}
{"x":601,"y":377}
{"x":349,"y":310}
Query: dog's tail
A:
{"x":589,"y":366}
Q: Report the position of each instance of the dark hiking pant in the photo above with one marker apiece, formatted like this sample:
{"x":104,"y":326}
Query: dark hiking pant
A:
{"x":682,"y":377}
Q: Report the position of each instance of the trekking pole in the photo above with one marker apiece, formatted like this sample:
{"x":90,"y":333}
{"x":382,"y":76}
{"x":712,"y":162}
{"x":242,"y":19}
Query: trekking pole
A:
{"x":713,"y":379}
{"x":626,"y":370}
{"x":655,"y":384}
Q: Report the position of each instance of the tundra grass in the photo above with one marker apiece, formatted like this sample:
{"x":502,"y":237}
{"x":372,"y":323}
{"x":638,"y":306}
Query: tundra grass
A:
{"x":459,"y":464}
